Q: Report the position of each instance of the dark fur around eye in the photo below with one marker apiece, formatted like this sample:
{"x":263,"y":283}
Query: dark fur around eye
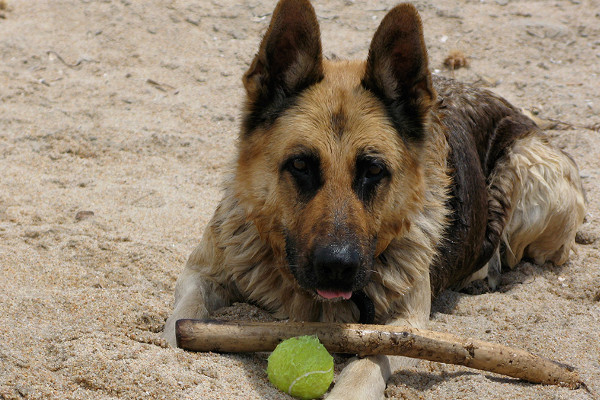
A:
{"x":306,"y":172}
{"x":370,"y":173}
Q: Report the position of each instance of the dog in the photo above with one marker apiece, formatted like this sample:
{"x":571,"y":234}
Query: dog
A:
{"x":362,"y":189}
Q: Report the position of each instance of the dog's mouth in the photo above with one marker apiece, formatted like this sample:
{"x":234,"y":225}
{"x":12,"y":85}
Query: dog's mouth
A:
{"x":334,"y":294}
{"x":363,"y":302}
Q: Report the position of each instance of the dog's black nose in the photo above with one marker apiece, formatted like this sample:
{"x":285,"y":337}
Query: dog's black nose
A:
{"x":336,"y":265}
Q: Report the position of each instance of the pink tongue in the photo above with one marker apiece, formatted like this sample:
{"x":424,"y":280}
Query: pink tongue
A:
{"x":332,"y":294}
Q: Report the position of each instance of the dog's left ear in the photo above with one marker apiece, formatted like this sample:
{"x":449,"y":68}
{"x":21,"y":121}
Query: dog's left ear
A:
{"x":397,"y":70}
{"x":288,"y":61}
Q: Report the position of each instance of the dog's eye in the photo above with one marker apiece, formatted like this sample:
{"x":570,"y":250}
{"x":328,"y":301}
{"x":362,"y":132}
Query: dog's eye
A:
{"x":370,"y":173}
{"x":374,"y":170}
{"x":299,"y":164}
{"x":371,"y":170}
{"x":305,"y":170}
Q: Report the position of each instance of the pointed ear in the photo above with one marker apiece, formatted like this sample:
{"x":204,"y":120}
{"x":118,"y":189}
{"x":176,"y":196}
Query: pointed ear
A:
{"x":396,"y":69}
{"x":288,"y":61}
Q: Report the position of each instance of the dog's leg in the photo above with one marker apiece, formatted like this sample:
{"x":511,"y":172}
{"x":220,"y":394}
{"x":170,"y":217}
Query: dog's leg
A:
{"x":535,"y":199}
{"x":196,"y":296}
{"x":535,"y":203}
{"x":549,"y":204}
{"x":366,"y":378}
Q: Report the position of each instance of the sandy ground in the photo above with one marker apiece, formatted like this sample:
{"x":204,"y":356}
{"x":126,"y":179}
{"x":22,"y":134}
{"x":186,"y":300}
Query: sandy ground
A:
{"x":117,"y":123}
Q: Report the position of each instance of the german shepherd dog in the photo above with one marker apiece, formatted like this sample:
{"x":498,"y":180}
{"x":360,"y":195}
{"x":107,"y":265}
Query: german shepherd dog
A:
{"x":362,"y":189}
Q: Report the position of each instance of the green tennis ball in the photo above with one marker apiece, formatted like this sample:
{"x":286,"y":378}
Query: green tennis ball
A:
{"x":301,"y":367}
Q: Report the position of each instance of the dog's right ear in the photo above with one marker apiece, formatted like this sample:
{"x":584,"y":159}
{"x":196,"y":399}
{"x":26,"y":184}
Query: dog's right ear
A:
{"x":288,"y":61}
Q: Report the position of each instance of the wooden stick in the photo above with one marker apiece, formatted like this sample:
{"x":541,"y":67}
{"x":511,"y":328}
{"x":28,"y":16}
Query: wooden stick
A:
{"x":238,"y":337}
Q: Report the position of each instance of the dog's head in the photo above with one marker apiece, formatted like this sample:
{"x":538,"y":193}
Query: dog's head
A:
{"x":329,"y":155}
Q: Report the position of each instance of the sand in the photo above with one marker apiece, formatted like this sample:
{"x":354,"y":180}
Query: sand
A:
{"x":117,"y":123}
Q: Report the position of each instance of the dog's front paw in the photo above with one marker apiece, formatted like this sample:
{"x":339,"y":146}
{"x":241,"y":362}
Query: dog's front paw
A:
{"x":362,"y":379}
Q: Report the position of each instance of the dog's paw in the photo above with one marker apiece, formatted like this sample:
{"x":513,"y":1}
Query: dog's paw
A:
{"x":169,"y":333}
{"x":362,"y":379}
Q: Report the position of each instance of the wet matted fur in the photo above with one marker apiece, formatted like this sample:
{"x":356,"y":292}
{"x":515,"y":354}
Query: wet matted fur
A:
{"x":373,"y":181}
